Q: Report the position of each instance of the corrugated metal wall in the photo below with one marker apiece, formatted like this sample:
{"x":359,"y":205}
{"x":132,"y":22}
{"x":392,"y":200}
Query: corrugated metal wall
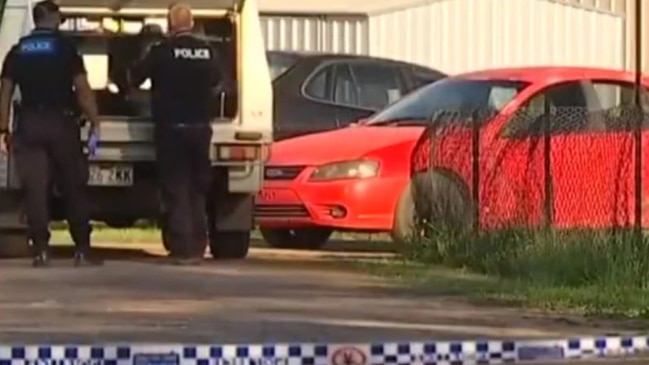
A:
{"x":461,"y":35}
{"x":316,"y":33}
{"x":626,"y":7}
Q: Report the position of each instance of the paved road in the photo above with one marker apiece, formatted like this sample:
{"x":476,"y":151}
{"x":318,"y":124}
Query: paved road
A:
{"x":268,"y":298}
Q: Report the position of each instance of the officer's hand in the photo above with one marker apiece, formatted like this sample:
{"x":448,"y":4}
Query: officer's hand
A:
{"x":93,"y":139}
{"x":94,"y":129}
{"x":4,"y":143}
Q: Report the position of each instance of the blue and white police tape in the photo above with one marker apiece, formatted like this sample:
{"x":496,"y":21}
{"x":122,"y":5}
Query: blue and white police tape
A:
{"x":394,"y":353}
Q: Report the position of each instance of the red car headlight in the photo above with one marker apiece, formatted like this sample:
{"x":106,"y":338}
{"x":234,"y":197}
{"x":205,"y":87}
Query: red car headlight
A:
{"x":360,"y":169}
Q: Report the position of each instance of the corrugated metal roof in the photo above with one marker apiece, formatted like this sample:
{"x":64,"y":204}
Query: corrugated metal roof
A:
{"x":117,"y":4}
{"x":315,"y":7}
{"x":368,"y":7}
{"x":354,"y":7}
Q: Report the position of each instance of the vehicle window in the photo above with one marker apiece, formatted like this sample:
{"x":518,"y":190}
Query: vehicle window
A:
{"x":573,"y":107}
{"x":564,"y":106}
{"x":616,"y":102}
{"x":461,"y":97}
{"x":423,"y":76}
{"x":613,"y":94}
{"x":344,"y":89}
{"x":279,"y":63}
{"x":318,"y":86}
{"x":378,"y":84}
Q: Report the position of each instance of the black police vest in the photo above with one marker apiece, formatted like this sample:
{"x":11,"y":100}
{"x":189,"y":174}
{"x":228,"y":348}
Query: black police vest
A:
{"x":44,"y":71}
{"x":182,"y":92}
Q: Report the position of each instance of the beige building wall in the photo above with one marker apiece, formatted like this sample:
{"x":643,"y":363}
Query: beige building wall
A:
{"x":626,"y":7}
{"x":461,"y":35}
{"x":457,"y":36}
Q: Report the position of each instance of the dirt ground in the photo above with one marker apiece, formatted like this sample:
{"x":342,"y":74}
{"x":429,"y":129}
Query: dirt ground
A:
{"x":273,"y":296}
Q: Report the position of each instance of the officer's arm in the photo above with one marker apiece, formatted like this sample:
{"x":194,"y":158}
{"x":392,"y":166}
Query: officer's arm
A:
{"x":7,"y":88}
{"x":83,"y":91}
{"x":217,"y":68}
{"x":141,"y":70}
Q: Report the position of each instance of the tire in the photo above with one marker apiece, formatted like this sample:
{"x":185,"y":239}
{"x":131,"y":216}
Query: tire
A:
{"x":120,"y":223}
{"x":229,"y":245}
{"x":442,"y":201}
{"x":404,"y":221}
{"x":14,"y":244}
{"x":166,"y":242}
{"x":297,"y":239}
{"x":164,"y":233}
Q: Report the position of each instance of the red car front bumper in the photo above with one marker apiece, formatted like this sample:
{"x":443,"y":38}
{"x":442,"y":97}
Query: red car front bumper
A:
{"x":355,"y":204}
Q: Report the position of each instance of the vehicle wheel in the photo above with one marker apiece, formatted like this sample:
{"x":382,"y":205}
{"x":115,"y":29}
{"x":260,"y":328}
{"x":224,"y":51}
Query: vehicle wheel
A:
{"x":226,"y":245}
{"x":300,"y":238}
{"x":164,"y":233}
{"x":404,"y":223}
{"x":441,"y":201}
{"x":120,"y":223}
{"x":166,"y":242}
{"x":14,"y":244}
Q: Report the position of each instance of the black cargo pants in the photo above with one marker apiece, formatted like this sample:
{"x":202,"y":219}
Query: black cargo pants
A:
{"x":185,"y":175}
{"x":48,"y":149}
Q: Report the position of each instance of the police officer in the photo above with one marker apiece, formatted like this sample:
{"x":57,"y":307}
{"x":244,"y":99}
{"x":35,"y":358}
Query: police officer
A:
{"x":51,"y":77}
{"x":184,"y":70}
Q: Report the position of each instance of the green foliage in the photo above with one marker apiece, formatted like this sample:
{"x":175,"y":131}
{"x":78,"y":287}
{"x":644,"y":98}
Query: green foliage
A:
{"x":592,"y":271}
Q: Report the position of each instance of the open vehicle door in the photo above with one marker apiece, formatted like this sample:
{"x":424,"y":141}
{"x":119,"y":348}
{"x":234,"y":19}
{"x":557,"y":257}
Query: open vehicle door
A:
{"x":122,"y":171}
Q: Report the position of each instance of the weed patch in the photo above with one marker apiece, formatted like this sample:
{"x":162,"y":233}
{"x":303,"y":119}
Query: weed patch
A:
{"x":601,"y":273}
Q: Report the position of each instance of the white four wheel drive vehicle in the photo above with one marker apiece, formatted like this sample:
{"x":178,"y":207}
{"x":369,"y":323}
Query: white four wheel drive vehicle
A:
{"x":123,"y":182}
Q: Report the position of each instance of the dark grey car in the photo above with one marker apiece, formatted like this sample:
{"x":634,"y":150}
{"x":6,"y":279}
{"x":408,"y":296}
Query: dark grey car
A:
{"x":315,"y":92}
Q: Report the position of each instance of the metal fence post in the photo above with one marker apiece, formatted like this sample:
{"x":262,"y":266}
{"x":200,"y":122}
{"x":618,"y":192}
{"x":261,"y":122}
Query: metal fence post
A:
{"x":547,"y":167}
{"x":639,"y":116}
{"x":475,"y":167}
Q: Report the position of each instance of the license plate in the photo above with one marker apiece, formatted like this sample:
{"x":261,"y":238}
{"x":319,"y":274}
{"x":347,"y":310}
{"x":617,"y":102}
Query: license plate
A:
{"x":113,"y":175}
{"x":277,"y":196}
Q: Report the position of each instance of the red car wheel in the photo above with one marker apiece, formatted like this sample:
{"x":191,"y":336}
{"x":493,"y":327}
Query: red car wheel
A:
{"x":442,"y":200}
{"x":404,"y":223}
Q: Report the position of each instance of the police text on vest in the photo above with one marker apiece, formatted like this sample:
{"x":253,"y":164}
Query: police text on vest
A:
{"x":192,"y":54}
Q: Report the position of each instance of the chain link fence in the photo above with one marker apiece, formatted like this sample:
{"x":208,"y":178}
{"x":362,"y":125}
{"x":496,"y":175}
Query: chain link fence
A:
{"x":538,"y":168}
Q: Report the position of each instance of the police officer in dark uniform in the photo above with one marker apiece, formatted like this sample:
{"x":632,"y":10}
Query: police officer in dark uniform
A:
{"x":50,"y":74}
{"x":184,"y":70}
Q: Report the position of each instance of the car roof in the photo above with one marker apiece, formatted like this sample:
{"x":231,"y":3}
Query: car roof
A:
{"x":550,"y":74}
{"x":344,"y":56}
{"x":324,"y":55}
{"x":288,"y":53}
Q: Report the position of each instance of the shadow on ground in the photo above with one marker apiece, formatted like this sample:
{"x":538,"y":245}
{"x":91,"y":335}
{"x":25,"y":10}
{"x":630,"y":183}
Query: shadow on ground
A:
{"x":125,"y":253}
{"x":335,"y":249}
{"x":136,"y":297}
{"x":359,"y":246}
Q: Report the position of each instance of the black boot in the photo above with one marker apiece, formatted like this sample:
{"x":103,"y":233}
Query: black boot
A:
{"x":84,"y":257}
{"x":41,"y":259}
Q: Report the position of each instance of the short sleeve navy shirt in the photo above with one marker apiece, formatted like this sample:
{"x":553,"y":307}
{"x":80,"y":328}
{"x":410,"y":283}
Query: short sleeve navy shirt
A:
{"x":43,"y":66}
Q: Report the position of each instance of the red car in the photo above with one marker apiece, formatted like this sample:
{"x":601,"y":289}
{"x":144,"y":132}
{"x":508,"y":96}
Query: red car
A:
{"x":347,"y":179}
{"x":591,"y":149}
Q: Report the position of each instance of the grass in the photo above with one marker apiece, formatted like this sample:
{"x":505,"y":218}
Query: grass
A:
{"x":145,"y":233}
{"x":109,"y":235}
{"x":590,"y":273}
